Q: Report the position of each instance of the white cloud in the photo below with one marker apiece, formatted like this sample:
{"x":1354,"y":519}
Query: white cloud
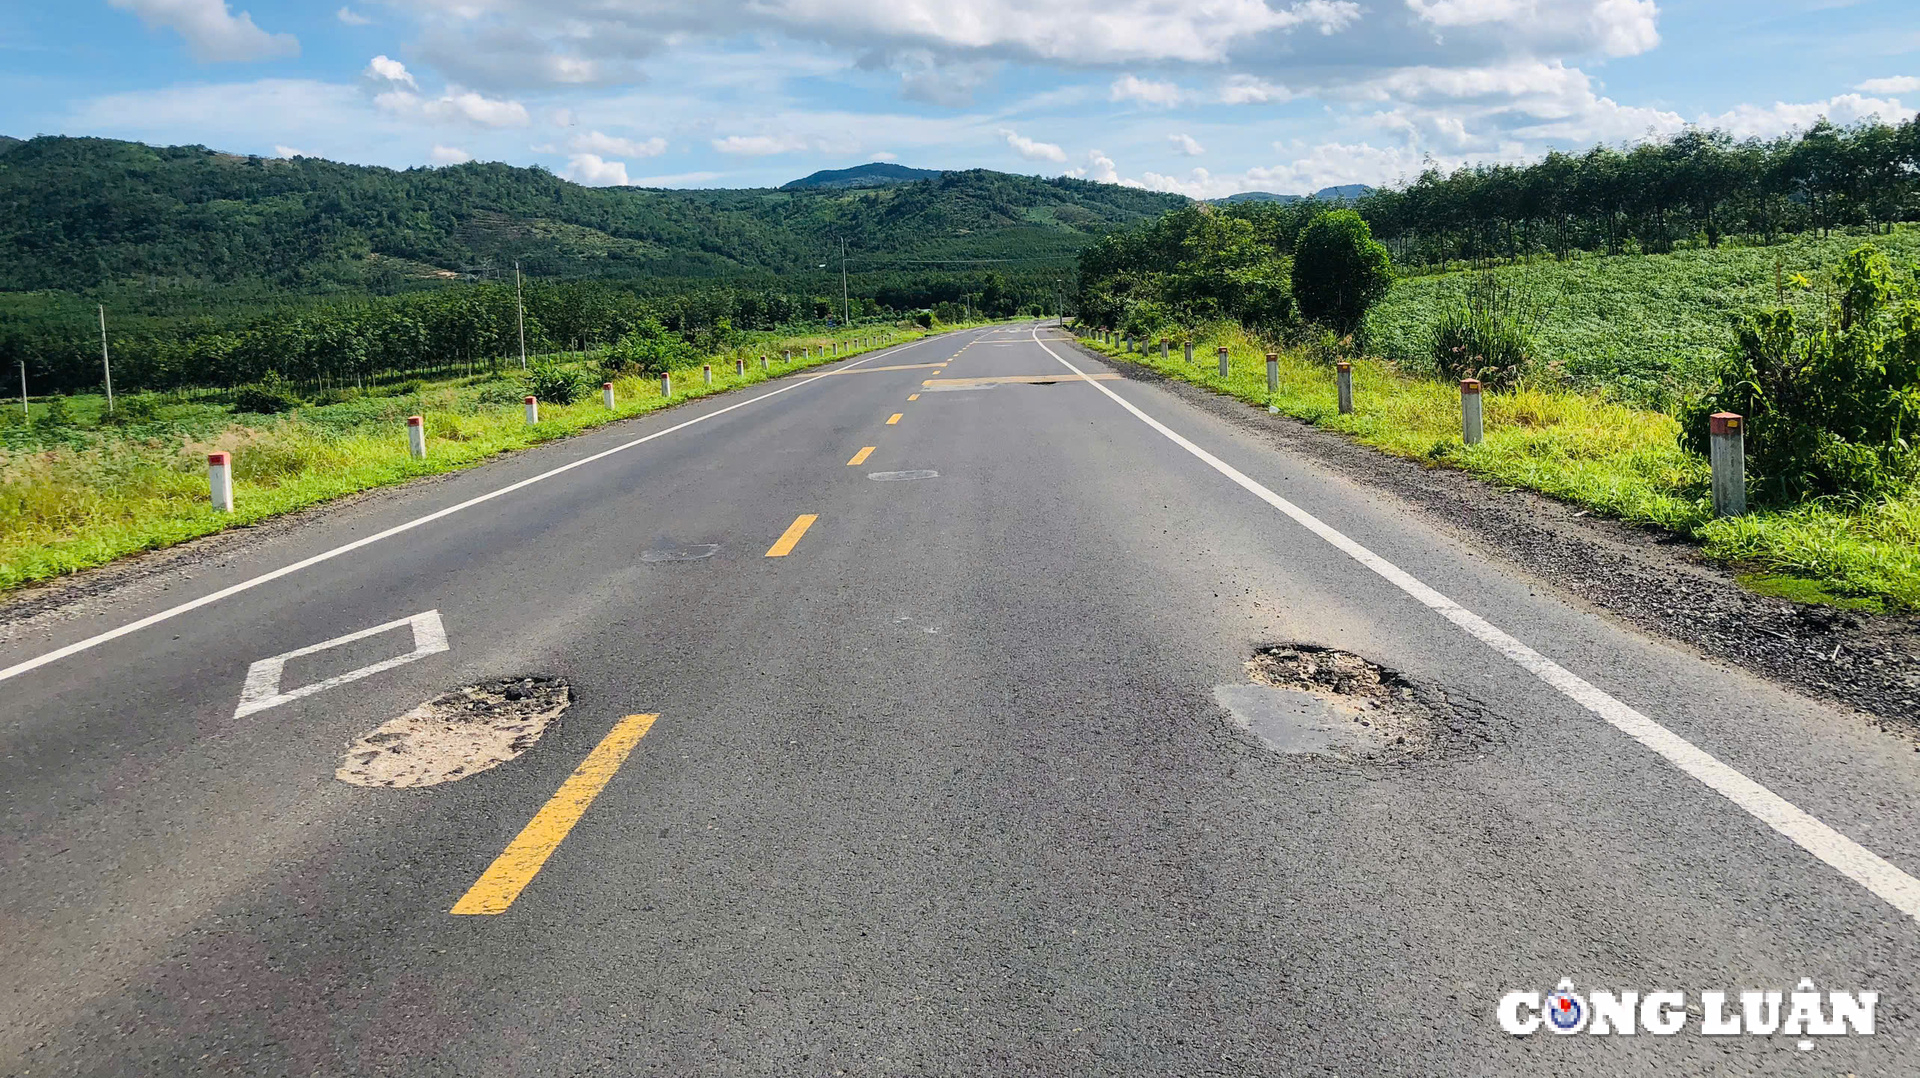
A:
{"x":448,"y":155}
{"x":1617,"y":27}
{"x":351,"y":17}
{"x":759,"y":145}
{"x":382,"y":70}
{"x":211,"y":30}
{"x":1186,"y":145}
{"x":1101,"y":169}
{"x":289,"y":152}
{"x":1251,"y":90}
{"x":455,"y":105}
{"x":1032,"y":150}
{"x":885,"y":156}
{"x":563,"y":117}
{"x":589,"y":169}
{"x":1146,"y":91}
{"x":1781,"y":117}
{"x":595,"y":142}
{"x":1899,"y":84}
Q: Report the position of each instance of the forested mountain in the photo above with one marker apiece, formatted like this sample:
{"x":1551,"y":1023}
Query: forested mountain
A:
{"x":877,"y":174}
{"x":1348,"y":191}
{"x":81,"y":213}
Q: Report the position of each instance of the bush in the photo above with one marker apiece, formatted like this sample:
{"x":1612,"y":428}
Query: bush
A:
{"x":923,"y":319}
{"x":270,"y":395}
{"x":649,"y":349}
{"x":1487,"y":334}
{"x":1339,"y":270}
{"x":553,"y":383}
{"x":138,"y":408}
{"x":1832,"y":408}
{"x":53,"y":415}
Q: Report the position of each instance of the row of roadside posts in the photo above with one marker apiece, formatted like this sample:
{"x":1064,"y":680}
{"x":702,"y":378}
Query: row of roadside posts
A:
{"x":1727,"y":452}
{"x":220,"y":465}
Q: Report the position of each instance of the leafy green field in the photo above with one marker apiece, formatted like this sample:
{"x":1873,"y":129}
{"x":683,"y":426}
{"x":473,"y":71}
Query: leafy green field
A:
{"x":1614,"y":458}
{"x":1644,"y":329}
{"x":85,"y":494}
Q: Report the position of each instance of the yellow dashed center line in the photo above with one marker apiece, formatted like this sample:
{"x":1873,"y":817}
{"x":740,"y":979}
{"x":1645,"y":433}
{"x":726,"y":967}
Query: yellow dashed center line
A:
{"x":913,"y":396}
{"x":510,"y":873}
{"x":785,"y":544}
{"x":861,"y":457}
{"x":894,"y":418}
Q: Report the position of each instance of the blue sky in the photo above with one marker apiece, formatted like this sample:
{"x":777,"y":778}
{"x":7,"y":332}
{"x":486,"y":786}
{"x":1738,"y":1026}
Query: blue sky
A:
{"x":1205,"y":97}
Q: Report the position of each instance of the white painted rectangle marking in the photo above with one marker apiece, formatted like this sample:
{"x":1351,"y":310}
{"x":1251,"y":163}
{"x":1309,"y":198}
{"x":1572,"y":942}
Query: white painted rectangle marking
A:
{"x":262,"y":689}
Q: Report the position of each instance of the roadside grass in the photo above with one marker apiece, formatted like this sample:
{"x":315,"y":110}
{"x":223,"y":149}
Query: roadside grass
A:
{"x":1614,"y":459}
{"x":100,"y":494}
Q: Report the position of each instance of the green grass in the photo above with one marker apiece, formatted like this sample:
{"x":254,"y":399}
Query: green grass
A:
{"x":1647,"y":329}
{"x":1615,"y":459}
{"x":95,"y":493}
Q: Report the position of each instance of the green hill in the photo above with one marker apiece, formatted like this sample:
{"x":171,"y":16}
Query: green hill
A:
{"x":86,"y":213}
{"x":877,"y":174}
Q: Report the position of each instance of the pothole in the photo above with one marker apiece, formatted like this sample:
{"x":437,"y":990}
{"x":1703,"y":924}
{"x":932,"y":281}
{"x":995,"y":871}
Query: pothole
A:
{"x":461,"y":733}
{"x":689,"y":553}
{"x":1305,"y":700}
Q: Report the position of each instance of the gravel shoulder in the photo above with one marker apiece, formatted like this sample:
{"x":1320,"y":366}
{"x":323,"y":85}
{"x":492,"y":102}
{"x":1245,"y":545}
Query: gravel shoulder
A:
{"x":1652,"y":580}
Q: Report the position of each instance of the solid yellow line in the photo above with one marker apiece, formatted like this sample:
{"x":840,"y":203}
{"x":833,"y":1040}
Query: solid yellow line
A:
{"x":861,"y":457}
{"x":894,"y":418}
{"x":913,"y":396}
{"x":784,"y":546}
{"x":510,"y":873}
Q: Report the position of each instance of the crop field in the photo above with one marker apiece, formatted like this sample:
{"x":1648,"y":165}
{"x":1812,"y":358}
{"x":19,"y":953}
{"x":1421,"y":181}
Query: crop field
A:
{"x":1644,"y":329}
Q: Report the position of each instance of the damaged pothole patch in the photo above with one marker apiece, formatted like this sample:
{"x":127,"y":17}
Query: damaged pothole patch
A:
{"x":1307,"y":700}
{"x":461,"y":733}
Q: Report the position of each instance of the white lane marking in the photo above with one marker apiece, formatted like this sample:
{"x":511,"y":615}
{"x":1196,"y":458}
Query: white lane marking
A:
{"x":1849,"y":858}
{"x":262,"y":689}
{"x":75,"y":648}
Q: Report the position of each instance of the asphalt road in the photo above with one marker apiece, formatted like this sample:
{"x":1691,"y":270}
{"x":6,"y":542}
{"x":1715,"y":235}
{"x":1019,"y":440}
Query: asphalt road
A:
{"x":944,"y":789}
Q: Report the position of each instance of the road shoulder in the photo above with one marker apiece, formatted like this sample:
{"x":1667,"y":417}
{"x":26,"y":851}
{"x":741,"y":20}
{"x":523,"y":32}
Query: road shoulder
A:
{"x":1652,"y":581}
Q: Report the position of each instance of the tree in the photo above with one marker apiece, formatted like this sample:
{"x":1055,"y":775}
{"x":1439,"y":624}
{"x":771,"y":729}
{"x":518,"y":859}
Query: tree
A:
{"x":1339,"y":270}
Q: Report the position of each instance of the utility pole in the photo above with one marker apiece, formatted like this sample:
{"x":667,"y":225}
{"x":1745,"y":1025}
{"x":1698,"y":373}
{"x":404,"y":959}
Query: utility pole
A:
{"x":520,"y":311}
{"x":105,"y":364}
{"x":846,"y":316}
{"x":23,"y":390}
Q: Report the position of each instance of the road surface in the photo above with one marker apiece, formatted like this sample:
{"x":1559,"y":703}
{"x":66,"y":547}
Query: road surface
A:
{"x":937,"y":782}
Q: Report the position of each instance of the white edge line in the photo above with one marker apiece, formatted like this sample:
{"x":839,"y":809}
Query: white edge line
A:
{"x":1849,"y":858}
{"x":90,"y":642}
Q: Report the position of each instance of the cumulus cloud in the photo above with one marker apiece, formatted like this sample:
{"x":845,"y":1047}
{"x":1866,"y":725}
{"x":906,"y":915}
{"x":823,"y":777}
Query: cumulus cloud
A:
{"x":595,"y":142}
{"x":1186,"y":145}
{"x":383,"y":70}
{"x":1101,"y":169}
{"x":211,"y":30}
{"x":589,"y":169}
{"x":1145,"y":91}
{"x":759,"y":145}
{"x":289,"y":152}
{"x":351,"y":17}
{"x":449,"y":155}
{"x":1250,"y":90}
{"x":1899,"y":84}
{"x":1032,"y":150}
{"x":1781,"y":117}
{"x":935,"y":78}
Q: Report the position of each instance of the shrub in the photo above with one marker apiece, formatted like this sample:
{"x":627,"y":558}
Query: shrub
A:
{"x":137,"y":408}
{"x":53,"y":415}
{"x":1339,"y":270}
{"x":553,"y":383}
{"x":923,"y":319}
{"x":270,"y":395}
{"x":1831,"y":408}
{"x":649,"y":349}
{"x":1487,"y":334}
